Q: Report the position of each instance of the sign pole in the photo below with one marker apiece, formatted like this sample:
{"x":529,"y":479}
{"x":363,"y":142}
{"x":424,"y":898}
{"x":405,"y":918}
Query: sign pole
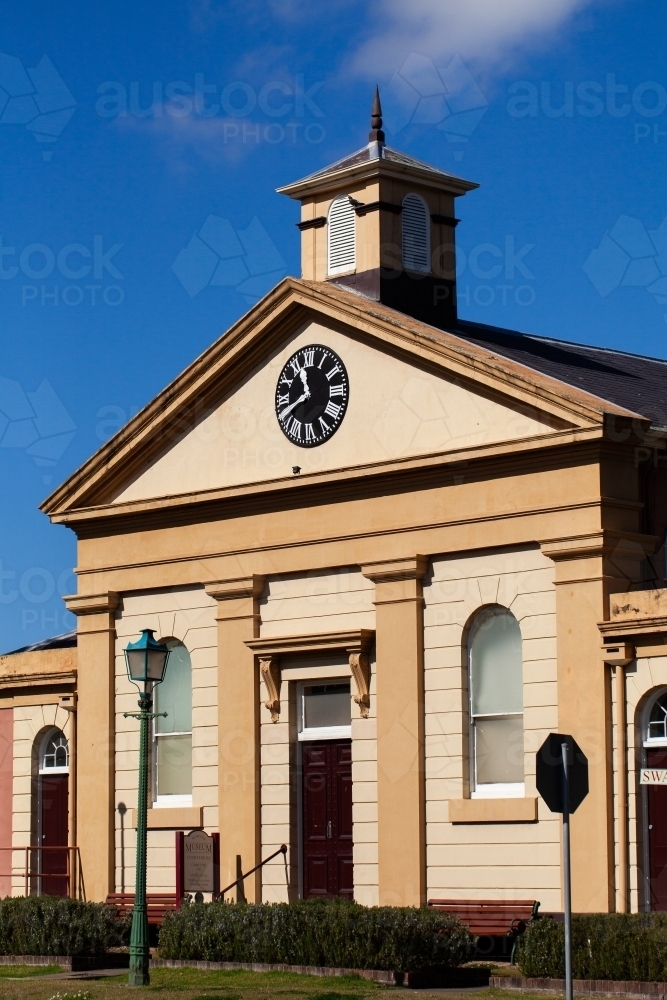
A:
{"x":566,"y":873}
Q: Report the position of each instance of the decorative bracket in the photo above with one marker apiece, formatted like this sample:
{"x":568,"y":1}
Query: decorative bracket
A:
{"x":361,"y":672}
{"x":269,"y":668}
{"x":357,"y":643}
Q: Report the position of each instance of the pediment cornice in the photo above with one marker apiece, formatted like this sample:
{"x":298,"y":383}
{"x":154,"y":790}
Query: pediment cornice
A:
{"x":283,"y":311}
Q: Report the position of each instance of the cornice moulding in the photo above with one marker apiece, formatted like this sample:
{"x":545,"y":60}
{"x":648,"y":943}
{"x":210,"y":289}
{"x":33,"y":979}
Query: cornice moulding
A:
{"x":342,"y":478}
{"x":375,"y":168}
{"x":92,"y":604}
{"x":234,"y":589}
{"x":629,"y":627}
{"x":598,"y":543}
{"x":389,"y":570}
{"x":349,"y":641}
{"x":51,"y":679}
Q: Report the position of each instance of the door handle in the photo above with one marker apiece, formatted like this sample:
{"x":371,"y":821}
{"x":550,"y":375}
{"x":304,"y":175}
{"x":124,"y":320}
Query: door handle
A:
{"x":329,"y":830}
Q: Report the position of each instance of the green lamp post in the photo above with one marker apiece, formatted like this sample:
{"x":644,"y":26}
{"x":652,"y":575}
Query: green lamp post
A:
{"x":146,"y":662}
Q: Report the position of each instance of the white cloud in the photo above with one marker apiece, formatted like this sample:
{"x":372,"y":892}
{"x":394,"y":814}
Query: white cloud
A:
{"x":473,"y":29}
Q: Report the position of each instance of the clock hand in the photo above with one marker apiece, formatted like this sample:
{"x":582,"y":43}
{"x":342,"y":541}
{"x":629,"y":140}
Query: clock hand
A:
{"x":288,"y":409}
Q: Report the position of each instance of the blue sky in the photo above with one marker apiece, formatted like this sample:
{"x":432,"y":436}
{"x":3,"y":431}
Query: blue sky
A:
{"x":141,"y":150}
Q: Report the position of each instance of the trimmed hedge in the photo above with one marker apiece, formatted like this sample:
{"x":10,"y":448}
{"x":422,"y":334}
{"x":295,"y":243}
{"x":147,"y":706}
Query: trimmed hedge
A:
{"x":51,"y":925}
{"x":604,"y":946}
{"x":333,"y":933}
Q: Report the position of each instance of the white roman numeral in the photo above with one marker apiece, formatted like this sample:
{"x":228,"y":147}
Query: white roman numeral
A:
{"x":310,"y":436}
{"x":322,"y":361}
{"x":287,"y":381}
{"x":332,"y":409}
{"x":308,"y":359}
{"x":337,"y":390}
{"x":284,"y":400}
{"x":324,"y":425}
{"x":295,"y":428}
{"x":296,"y":367}
{"x":330,"y":374}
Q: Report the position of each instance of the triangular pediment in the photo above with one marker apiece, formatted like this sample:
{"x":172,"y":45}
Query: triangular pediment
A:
{"x":413,"y":392}
{"x":395,"y":410}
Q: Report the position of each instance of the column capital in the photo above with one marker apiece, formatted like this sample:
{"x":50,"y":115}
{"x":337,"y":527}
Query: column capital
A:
{"x":92,"y":604}
{"x":391,"y":570}
{"x":235,"y":588}
{"x":612,"y":558}
{"x":599,"y":543}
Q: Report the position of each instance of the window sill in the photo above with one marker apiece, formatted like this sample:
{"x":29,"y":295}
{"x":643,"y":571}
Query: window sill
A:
{"x":176,"y":818}
{"x":493,"y":810}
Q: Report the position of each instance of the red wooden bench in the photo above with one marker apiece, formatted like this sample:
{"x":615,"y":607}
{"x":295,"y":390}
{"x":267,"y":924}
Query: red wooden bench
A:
{"x":157,"y":903}
{"x":491,"y":917}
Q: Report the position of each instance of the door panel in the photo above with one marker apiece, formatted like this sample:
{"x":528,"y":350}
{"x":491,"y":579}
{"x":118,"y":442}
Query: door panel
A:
{"x":657,"y":833}
{"x":327,"y":819}
{"x":54,"y":828}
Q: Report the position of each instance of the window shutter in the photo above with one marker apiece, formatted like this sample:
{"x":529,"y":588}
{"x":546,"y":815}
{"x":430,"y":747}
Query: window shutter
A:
{"x":416,"y":232}
{"x":341,"y":241}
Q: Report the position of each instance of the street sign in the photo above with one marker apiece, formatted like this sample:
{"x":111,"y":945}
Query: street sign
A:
{"x":549,"y":772}
{"x":562,"y":781}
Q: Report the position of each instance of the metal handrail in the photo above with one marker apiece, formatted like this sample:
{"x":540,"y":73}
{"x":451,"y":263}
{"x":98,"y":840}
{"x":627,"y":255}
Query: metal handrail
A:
{"x":281,"y":850}
{"x":75,"y":885}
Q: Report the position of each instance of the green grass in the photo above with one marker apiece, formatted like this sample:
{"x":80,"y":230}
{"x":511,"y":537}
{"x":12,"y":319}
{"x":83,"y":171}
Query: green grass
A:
{"x":201,"y":984}
{"x":21,"y":971}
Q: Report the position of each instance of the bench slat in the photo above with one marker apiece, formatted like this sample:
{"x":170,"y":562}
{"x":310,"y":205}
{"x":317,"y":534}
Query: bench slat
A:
{"x":489,"y":917}
{"x":157,"y":903}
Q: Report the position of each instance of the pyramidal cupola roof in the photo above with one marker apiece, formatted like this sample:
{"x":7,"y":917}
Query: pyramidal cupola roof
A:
{"x":376,"y":157}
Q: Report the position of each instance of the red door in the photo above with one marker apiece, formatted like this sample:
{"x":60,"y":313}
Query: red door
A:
{"x":657,"y":833}
{"x":54,"y":828}
{"x":327,"y":819}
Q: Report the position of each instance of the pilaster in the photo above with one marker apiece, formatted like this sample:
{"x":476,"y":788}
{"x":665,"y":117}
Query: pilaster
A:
{"x":238,"y":728}
{"x":95,"y":738}
{"x":588,"y":568}
{"x":400,"y":729}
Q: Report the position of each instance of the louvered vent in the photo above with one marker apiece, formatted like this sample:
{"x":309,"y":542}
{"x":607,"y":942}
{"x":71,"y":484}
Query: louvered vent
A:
{"x":341,"y":243}
{"x":416,"y":232}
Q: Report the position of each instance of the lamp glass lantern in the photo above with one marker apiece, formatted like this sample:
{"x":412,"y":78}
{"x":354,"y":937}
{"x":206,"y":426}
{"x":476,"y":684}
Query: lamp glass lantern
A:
{"x":146,"y":660}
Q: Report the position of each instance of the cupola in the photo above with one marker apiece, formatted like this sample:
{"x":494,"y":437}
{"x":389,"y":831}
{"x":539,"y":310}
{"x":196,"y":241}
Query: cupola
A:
{"x":382,"y":223}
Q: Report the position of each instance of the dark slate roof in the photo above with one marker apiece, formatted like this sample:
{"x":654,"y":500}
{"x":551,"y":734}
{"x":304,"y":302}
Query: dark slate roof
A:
{"x":62,"y":641}
{"x":363,"y":155}
{"x":633,"y":381}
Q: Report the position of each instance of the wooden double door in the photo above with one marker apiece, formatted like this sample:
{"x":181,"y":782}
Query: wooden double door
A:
{"x":327,"y":819}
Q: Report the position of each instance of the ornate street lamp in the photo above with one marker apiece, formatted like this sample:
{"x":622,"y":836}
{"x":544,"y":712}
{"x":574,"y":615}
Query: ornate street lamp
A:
{"x":146,"y":662}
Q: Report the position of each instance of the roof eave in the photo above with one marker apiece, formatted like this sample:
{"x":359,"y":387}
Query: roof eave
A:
{"x":369,"y":168}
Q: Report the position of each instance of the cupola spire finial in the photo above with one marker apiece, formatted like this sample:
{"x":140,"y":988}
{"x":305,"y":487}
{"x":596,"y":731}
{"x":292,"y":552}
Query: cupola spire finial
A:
{"x":376,"y":134}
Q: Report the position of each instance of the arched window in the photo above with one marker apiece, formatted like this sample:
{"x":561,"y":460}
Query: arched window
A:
{"x":416,"y":224}
{"x":341,"y":249}
{"x":54,"y":753}
{"x":173,"y":734}
{"x":656,"y":724}
{"x":496,"y":703}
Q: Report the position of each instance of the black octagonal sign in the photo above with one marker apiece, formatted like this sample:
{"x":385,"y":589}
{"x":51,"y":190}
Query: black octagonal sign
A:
{"x":549,"y":773}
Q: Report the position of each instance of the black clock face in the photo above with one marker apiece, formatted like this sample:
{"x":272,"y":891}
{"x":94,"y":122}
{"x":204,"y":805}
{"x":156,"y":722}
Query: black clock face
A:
{"x":311,"y":396}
